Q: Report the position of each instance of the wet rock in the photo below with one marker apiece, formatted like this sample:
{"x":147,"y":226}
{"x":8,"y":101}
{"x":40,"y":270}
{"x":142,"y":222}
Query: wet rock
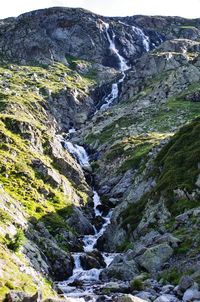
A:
{"x":103,"y":299}
{"x":98,"y":256}
{"x":104,"y":209}
{"x":98,"y":222}
{"x":92,"y":260}
{"x":155,"y":257}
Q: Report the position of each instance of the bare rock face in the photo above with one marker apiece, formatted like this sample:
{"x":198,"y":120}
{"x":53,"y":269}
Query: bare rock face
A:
{"x":52,"y":34}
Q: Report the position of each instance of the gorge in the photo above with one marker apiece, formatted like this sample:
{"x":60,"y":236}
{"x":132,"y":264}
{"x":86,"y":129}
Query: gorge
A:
{"x":99,"y":157}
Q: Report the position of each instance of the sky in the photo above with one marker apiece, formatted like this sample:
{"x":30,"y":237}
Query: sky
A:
{"x":184,"y":8}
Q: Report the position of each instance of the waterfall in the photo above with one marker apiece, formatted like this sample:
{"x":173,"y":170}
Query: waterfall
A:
{"x":89,"y":278}
{"x":123,"y":67}
{"x":145,"y":39}
{"x":111,"y":40}
{"x":79,"y":153}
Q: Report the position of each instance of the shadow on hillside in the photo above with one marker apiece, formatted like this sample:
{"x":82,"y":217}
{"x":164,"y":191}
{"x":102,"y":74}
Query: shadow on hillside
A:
{"x":51,"y":239}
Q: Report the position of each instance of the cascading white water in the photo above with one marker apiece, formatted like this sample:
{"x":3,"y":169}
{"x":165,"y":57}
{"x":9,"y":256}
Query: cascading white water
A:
{"x":111,"y":40}
{"x":145,"y":39}
{"x":79,"y":153}
{"x":140,"y":33}
{"x":88,"y":277}
{"x":123,"y":67}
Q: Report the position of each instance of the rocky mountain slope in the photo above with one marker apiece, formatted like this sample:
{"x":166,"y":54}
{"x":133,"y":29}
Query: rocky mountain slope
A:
{"x":58,"y":69}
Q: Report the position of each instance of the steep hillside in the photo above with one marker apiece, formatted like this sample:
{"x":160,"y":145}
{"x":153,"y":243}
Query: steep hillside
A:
{"x":127,"y":91}
{"x":41,"y":183}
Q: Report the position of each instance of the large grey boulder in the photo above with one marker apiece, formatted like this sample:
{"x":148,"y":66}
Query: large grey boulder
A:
{"x":48,"y":174}
{"x":167,"y":298}
{"x":14,"y":296}
{"x":80,"y":222}
{"x":191,"y":294}
{"x":122,"y":268}
{"x":129,"y":298}
{"x":185,"y":283}
{"x":154,"y":257}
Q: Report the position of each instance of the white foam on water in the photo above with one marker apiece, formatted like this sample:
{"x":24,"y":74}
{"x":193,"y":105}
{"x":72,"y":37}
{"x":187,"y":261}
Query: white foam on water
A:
{"x":79,"y":153}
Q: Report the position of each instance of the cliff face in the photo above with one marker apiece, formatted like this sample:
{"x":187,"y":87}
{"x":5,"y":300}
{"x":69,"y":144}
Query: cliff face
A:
{"x":57,"y":67}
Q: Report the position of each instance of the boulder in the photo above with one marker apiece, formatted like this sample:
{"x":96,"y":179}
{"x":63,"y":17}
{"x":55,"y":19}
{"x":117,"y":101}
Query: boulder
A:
{"x":191,"y":295}
{"x":147,"y":296}
{"x":120,"y":269}
{"x":193,"y":97}
{"x":80,"y":222}
{"x":50,"y":176}
{"x":92,"y":260}
{"x":128,"y":298}
{"x":116,"y":287}
{"x":154,"y":257}
{"x":167,"y":298}
{"x":14,"y":296}
{"x":185,"y":283}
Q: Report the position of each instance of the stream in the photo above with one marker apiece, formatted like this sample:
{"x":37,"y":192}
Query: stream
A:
{"x":85,"y":285}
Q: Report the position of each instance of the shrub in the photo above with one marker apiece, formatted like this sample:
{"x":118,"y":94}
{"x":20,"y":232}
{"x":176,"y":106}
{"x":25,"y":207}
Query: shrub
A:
{"x":17,"y":241}
{"x":137,"y":284}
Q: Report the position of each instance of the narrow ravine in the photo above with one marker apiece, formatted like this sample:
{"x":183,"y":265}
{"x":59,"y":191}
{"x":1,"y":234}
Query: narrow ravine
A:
{"x":85,"y":285}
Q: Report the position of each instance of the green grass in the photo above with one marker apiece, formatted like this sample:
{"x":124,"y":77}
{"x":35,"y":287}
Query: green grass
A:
{"x":179,"y":160}
{"x":134,"y":160}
